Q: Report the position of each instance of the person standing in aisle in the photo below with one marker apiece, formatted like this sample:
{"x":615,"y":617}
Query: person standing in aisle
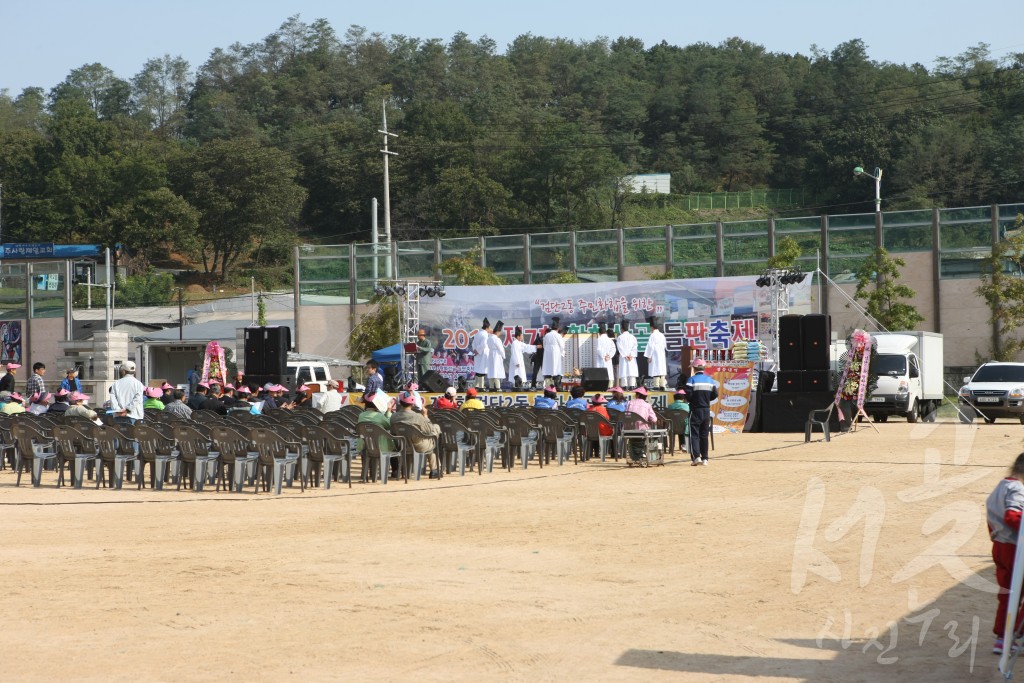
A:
{"x":126,"y":395}
{"x":626,"y":344}
{"x":701,"y":392}
{"x":35,"y":384}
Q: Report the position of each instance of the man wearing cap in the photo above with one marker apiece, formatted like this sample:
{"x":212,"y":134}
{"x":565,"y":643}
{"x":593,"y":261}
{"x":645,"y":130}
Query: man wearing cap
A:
{"x":472,"y":402}
{"x":447,"y":401}
{"x":60,"y":402}
{"x":177,"y":407}
{"x":424,"y":353}
{"x":554,"y":355}
{"x":7,"y":380}
{"x":701,"y":391}
{"x":516,"y":364}
{"x":35,"y":384}
{"x":481,"y":349}
{"x":126,"y":395}
{"x":426,"y":440}
{"x":153,"y":401}
{"x":495,"y":357}
{"x":657,"y":345}
{"x":166,"y":393}
{"x":626,"y":344}
{"x":70,"y":382}
{"x":618,"y":401}
{"x":332,"y":398}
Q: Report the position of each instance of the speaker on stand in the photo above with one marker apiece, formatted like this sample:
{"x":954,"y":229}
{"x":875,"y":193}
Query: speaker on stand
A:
{"x":816,"y":338}
{"x":790,"y":347}
{"x":594,"y":379}
{"x":434,"y":383}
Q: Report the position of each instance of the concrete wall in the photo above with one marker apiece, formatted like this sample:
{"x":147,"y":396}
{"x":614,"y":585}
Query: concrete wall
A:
{"x":44,"y":337}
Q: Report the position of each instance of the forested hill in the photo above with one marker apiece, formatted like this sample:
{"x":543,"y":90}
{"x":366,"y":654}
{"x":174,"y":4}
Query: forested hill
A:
{"x":278,"y":140}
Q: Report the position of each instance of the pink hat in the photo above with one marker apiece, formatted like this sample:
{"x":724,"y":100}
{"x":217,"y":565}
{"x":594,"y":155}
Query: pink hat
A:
{"x":641,"y":391}
{"x":413,"y":386}
{"x":229,"y":386}
{"x":63,"y":392}
{"x":13,"y":366}
{"x":598,"y":399}
{"x":17,"y":397}
{"x":698,"y":363}
{"x":278,"y":387}
{"x":40,"y":397}
{"x":303,"y":388}
{"x":244,"y":390}
{"x":616,"y":390}
{"x":154,"y":392}
{"x":407,"y":399}
{"x":166,"y":385}
{"x":204,"y":385}
{"x":78,"y":396}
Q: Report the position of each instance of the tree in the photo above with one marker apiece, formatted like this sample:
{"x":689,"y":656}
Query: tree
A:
{"x":1003,"y":290}
{"x":467,"y":270}
{"x":245,"y":192}
{"x":878,"y":284}
{"x":787,"y":251}
{"x":375,"y":330}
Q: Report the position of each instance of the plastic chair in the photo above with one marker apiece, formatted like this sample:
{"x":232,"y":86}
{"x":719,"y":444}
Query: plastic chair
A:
{"x":491,"y":440}
{"x":592,"y":423}
{"x":456,"y":444}
{"x":117,"y":450}
{"x":34,"y":448}
{"x":376,"y":455}
{"x":235,"y":456}
{"x":524,"y":437}
{"x":818,"y":417}
{"x":277,"y":457}
{"x":75,"y":448}
{"x":556,"y":438}
{"x":327,"y":449}
{"x":195,"y":453}
{"x":156,"y":450}
{"x":408,"y":433}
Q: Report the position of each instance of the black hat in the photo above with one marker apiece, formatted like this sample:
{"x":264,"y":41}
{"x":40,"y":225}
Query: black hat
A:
{"x":486,"y":324}
{"x":518,"y":331}
{"x":624,"y":325}
{"x":555,"y":320}
{"x":601,"y":328}
{"x":498,"y":327}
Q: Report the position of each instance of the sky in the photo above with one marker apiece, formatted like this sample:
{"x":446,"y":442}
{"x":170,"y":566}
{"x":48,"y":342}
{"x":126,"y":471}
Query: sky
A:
{"x":41,"y":42}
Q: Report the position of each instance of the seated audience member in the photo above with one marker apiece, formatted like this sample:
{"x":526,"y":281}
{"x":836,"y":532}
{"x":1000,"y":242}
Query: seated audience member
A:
{"x":242,"y":402}
{"x":177,"y":405}
{"x":14,"y":405}
{"x":577,"y":400}
{"x":212,"y":402}
{"x":166,"y":393}
{"x":598,"y":405}
{"x":195,"y":401}
{"x":549,"y":400}
{"x":60,"y":402}
{"x":618,"y":401}
{"x":332,"y":398}
{"x":40,"y":403}
{"x":447,"y":401}
{"x":153,"y":396}
{"x":303,"y":397}
{"x":641,"y":407}
{"x":472,"y":402}
{"x":407,"y":414}
{"x":78,"y":407}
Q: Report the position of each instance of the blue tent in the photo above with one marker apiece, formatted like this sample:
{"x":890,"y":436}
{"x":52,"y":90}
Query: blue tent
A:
{"x":389,"y":354}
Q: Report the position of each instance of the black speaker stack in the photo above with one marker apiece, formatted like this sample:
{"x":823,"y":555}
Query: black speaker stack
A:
{"x":266,"y":353}
{"x":433,"y":382}
{"x":595,"y":379}
{"x":804,"y":343}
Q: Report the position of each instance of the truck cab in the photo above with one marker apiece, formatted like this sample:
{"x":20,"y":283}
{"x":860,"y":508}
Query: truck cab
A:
{"x":909,"y":385}
{"x":314,"y":374}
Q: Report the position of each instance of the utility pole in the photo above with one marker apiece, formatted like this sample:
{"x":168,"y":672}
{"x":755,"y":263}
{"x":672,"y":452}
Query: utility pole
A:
{"x":387,"y":182}
{"x":181,"y":318}
{"x":373,"y":229}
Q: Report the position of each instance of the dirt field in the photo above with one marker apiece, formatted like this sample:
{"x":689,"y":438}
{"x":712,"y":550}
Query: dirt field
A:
{"x":863,"y":559}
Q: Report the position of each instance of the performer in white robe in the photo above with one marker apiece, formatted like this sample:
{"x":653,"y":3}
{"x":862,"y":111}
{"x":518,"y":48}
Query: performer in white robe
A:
{"x":554,"y":353}
{"x":480,"y":354}
{"x":496,"y":357}
{"x":626,"y":344}
{"x":516,"y":364}
{"x":657,"y":345}
{"x":605,"y":354}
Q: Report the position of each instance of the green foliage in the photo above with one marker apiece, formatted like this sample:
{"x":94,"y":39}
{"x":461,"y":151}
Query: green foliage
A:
{"x":148,"y":289}
{"x":564,"y":277}
{"x":261,"y":311}
{"x":787,"y":251}
{"x":879,"y":286}
{"x":375,"y":330}
{"x":466,"y":270}
{"x":1002,"y":287}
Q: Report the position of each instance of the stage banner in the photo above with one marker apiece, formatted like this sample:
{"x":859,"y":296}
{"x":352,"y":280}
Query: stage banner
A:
{"x":729,"y":412}
{"x":705,"y":313}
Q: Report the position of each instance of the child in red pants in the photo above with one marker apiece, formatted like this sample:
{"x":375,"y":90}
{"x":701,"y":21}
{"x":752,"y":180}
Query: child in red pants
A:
{"x":1003,"y":508}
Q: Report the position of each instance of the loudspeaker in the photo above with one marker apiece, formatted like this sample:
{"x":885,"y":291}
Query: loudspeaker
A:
{"x":790,"y":350}
{"x":791,"y":380}
{"x":433,"y":382}
{"x":277,"y":342}
{"x":392,"y":381}
{"x":816,"y":336}
{"x":765,"y":381}
{"x":253,"y":351}
{"x":788,"y":412}
{"x":594,"y":379}
{"x":817,"y":380}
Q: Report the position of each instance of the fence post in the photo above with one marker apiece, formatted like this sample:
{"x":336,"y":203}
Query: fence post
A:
{"x":720,"y":249}
{"x":936,"y":271}
{"x":527,"y":267}
{"x":621,"y":248}
{"x":670,"y":254}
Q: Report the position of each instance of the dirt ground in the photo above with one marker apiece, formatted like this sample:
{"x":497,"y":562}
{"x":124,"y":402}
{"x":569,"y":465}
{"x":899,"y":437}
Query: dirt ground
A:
{"x":863,"y":559}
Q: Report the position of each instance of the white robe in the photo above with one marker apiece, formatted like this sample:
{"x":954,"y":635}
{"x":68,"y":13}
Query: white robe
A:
{"x":554,"y":351}
{"x":495,"y":357}
{"x":480,"y":352}
{"x":655,"y":353}
{"x":516,"y":364}
{"x":626,"y":343}
{"x":605,"y":353}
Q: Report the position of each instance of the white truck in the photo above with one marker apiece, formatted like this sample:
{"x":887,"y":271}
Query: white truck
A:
{"x":910,"y":379}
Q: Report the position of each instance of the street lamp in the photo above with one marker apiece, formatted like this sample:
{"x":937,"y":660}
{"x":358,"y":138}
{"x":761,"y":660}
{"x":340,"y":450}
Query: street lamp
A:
{"x":877,"y":177}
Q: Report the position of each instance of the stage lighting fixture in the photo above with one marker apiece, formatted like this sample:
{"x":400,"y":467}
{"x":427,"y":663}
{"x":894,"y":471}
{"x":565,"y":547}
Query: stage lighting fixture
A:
{"x":379,"y":291}
{"x":440,"y":291}
{"x":400,"y":290}
{"x":428,"y":290}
